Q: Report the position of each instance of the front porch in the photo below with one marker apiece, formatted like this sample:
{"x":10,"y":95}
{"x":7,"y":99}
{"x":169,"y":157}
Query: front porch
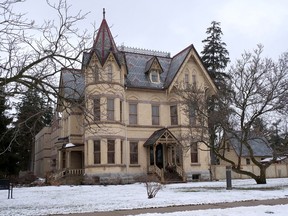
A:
{"x":70,"y":164}
{"x":165,"y":156}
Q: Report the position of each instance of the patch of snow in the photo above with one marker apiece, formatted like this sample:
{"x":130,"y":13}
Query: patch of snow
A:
{"x":75,"y":199}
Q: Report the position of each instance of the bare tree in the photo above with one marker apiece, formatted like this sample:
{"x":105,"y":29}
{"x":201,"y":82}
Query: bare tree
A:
{"x":32,"y":55}
{"x":260,"y":91}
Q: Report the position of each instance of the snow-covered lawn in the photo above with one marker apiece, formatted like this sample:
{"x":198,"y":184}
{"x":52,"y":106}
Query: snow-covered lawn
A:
{"x":74,"y":199}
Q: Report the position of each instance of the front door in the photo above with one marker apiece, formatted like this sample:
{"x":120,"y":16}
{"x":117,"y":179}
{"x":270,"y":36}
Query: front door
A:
{"x":159,"y":156}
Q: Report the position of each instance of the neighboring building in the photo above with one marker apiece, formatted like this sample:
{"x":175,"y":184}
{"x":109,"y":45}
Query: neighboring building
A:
{"x":130,"y":120}
{"x":42,"y":152}
{"x":45,"y":150}
{"x":235,"y":150}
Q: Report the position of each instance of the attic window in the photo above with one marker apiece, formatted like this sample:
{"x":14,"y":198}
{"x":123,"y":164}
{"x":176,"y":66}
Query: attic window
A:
{"x":154,"y":76}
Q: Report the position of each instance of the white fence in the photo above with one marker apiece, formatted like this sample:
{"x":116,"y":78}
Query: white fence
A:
{"x":273,"y":171}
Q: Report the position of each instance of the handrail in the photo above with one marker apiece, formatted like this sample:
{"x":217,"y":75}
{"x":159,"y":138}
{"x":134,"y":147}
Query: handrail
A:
{"x":159,"y":172}
{"x":180,"y":172}
{"x":71,"y":172}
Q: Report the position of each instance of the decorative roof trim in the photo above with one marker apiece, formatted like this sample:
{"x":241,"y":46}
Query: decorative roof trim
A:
{"x":144,"y":51}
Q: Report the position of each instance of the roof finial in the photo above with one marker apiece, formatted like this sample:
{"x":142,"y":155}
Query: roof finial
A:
{"x":103,"y":13}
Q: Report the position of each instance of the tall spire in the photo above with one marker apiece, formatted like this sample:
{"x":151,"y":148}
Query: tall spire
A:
{"x":103,"y":13}
{"x":104,"y":42}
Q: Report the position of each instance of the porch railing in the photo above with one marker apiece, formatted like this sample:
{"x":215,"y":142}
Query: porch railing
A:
{"x":180,"y":172}
{"x":159,"y":172}
{"x":70,"y":172}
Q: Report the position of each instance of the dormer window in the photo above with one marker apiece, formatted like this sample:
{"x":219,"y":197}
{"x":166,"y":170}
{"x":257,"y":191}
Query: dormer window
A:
{"x":154,"y":76}
{"x":153,"y":69}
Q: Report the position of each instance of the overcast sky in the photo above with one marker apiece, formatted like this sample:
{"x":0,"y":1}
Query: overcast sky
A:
{"x":172,"y":25}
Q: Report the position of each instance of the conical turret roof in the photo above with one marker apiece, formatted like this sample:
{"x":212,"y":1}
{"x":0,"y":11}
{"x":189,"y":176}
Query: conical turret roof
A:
{"x":104,"y":42}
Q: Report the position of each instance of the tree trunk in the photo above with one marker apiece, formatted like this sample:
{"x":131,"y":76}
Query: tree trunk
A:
{"x":261,"y":179}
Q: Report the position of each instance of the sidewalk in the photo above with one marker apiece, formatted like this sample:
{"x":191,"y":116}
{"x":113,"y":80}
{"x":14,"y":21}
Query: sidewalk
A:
{"x":282,"y":201}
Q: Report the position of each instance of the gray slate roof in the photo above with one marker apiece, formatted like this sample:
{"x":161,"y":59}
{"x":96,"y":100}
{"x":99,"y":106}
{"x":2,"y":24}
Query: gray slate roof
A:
{"x":73,"y":84}
{"x":259,"y":145}
{"x":135,"y":62}
{"x":137,"y":67}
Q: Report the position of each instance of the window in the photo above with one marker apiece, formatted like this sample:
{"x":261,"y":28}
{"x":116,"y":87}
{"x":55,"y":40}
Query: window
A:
{"x":155,"y":115}
{"x":111,"y":151}
{"x":121,"y":149}
{"x":121,"y":110}
{"x":196,"y":177}
{"x":194,"y":80}
{"x":97,"y":113}
{"x":110,"y":73}
{"x":192,"y":114}
{"x":133,"y":152}
{"x":194,"y":153}
{"x":248,"y":161}
{"x":173,"y":115}
{"x":154,"y":76}
{"x":186,"y":80}
{"x":95,"y":72}
{"x":132,"y":113}
{"x":110,"y":109}
{"x":97,"y":152}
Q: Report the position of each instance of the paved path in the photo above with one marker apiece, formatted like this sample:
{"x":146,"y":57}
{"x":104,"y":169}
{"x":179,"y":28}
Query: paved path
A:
{"x":281,"y":201}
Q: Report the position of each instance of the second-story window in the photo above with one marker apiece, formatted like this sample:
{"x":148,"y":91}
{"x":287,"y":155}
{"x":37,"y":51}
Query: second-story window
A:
{"x":192,"y":114}
{"x":132,"y":113}
{"x":155,"y":115}
{"x":174,"y":115}
{"x":110,"y":109}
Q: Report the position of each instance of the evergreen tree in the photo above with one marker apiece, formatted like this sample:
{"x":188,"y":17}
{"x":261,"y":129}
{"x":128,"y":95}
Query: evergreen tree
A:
{"x":214,"y":55}
{"x":33,"y":115}
{"x":7,"y":158}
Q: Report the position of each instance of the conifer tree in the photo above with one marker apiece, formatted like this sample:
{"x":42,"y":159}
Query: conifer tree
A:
{"x":215,"y":56}
{"x":33,"y":115}
{"x":6,"y":160}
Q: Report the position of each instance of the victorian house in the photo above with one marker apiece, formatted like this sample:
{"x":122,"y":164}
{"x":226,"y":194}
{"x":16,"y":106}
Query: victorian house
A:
{"x":128,"y":120}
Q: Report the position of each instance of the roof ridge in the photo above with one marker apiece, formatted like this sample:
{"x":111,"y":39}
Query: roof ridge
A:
{"x":144,"y":51}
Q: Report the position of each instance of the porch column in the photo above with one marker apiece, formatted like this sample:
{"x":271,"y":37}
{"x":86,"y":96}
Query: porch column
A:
{"x":154,"y":153}
{"x":164,"y":154}
{"x":59,"y":155}
{"x":68,"y":157}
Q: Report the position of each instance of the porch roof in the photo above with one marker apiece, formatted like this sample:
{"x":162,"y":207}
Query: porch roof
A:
{"x":157,"y":135}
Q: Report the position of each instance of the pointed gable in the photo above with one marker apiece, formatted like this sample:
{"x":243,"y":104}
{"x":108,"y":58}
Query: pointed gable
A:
{"x":153,"y":63}
{"x":104,"y":43}
{"x":176,"y":64}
